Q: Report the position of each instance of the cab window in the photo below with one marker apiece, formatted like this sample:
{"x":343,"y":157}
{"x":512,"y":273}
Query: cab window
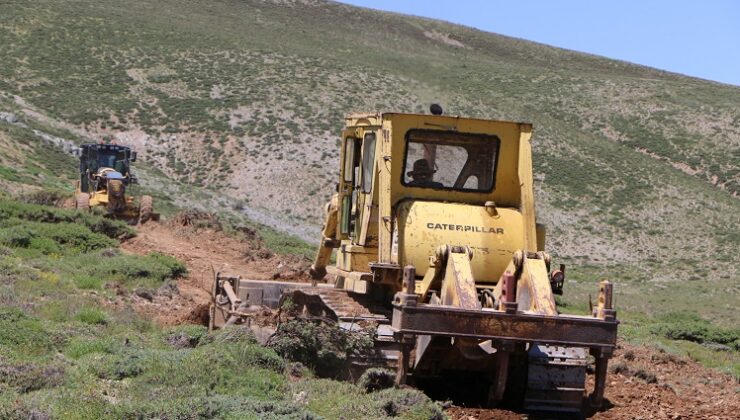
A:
{"x":351,"y":159}
{"x":450,"y":160}
{"x":368,"y":161}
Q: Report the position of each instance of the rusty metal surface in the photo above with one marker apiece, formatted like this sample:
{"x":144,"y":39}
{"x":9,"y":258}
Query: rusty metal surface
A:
{"x":346,"y":306}
{"x":485,"y":324}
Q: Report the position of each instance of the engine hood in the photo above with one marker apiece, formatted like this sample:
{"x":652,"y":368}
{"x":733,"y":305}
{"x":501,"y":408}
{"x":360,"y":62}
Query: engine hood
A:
{"x":424,"y":225}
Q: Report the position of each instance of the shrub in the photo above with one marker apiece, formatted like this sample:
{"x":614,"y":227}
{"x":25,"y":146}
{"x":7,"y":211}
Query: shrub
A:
{"x":154,"y":265}
{"x":126,"y":364}
{"x":130,"y":270}
{"x":51,"y":238}
{"x":80,"y":347}
{"x":45,"y":214}
{"x":45,"y":197}
{"x":213,"y":407}
{"x":322,"y":346}
{"x":26,"y":377}
{"x":16,"y":409}
{"x":234,"y":334}
{"x":375,"y":379}
{"x":84,"y":281}
{"x":217,"y":368}
{"x":619,"y":367}
{"x":689,"y":326}
{"x":409,"y":402}
{"x":646,"y":376}
{"x":186,"y":336}
{"x":92,"y":316}
{"x":333,"y":399}
{"x":23,"y":332}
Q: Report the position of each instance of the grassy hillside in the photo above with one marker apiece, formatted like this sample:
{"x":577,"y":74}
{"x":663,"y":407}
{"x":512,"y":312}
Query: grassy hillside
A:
{"x":72,"y":345}
{"x":637,"y":169}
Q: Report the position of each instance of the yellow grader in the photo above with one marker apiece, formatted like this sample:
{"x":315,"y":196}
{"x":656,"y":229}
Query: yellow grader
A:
{"x":435,"y":235}
{"x":105,"y":174}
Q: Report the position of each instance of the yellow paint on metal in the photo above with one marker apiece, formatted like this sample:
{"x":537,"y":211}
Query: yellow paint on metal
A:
{"x":534,"y":293}
{"x":391,"y":222}
{"x":425,"y":225}
{"x":458,"y":288}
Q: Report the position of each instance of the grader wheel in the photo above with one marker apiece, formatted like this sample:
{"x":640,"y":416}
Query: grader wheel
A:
{"x":82,"y":201}
{"x":146,"y":209}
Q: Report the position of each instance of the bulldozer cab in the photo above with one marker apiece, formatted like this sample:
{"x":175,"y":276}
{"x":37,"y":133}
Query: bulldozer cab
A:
{"x":412,"y":182}
{"x":96,"y":157}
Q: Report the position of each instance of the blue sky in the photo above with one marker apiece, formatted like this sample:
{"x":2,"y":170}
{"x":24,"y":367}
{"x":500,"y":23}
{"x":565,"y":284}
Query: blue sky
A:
{"x":696,"y":38}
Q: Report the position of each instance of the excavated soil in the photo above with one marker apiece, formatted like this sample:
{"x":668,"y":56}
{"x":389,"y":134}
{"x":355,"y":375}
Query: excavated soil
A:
{"x":643,"y":383}
{"x":648,"y":383}
{"x":204,"y":252}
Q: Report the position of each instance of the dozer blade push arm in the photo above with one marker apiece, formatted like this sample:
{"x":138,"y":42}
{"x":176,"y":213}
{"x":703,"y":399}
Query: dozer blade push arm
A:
{"x":533,"y":288}
{"x":524,"y":312}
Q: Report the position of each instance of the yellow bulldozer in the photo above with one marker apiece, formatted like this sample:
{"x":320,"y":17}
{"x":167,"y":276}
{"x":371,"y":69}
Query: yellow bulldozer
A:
{"x":435,"y":235}
{"x":104,"y":176}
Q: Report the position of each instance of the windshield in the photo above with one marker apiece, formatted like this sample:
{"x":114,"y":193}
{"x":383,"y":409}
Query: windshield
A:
{"x":450,"y":160}
{"x":112,"y":159}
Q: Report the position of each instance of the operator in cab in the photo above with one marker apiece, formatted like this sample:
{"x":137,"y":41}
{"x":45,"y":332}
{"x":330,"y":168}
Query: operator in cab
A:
{"x":422,"y":175}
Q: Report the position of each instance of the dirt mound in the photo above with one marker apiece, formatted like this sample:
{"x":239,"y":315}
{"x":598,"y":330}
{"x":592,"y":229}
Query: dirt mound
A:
{"x":197,"y":219}
{"x":198,"y":241}
{"x":647,"y":382}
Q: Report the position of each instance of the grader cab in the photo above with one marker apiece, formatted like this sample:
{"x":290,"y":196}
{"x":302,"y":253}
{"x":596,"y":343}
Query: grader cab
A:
{"x":434,"y":220}
{"x":104,"y":176}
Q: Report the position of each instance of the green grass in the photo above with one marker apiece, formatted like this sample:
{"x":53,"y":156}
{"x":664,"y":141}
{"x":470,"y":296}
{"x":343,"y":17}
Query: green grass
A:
{"x":331,"y":399}
{"x":67,"y":352}
{"x":11,"y":212}
{"x":92,"y":316}
{"x":690,"y":327}
{"x":686,"y":334}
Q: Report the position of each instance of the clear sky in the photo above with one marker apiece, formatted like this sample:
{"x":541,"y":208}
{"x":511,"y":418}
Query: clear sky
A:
{"x":696,"y":38}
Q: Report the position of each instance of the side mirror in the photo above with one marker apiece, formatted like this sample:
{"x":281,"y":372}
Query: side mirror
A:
{"x":77,"y":152}
{"x":133,"y":156}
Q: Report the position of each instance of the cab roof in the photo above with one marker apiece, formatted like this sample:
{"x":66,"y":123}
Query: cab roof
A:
{"x":104,"y":146}
{"x":374,"y":118}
